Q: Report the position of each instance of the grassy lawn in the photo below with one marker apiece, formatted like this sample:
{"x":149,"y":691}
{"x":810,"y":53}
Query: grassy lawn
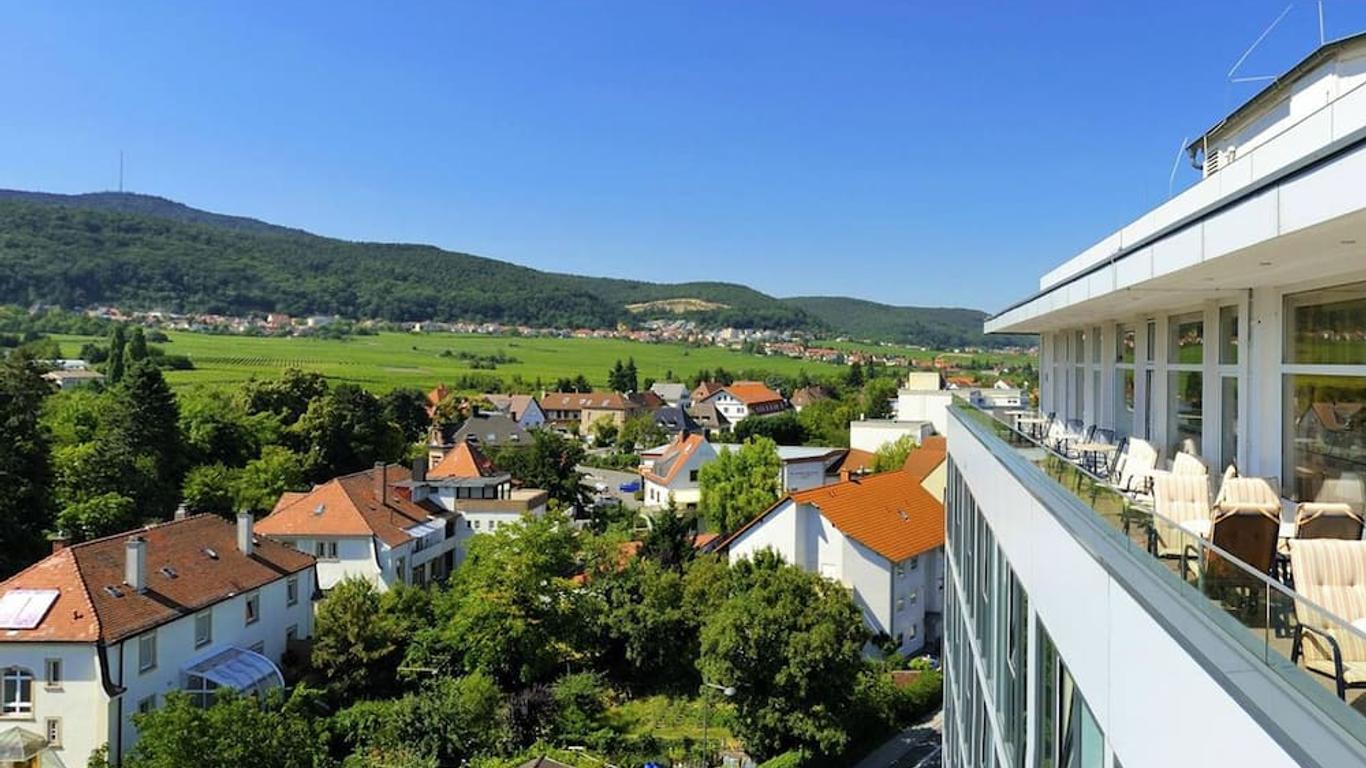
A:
{"x":1012,"y":360}
{"x":671,"y":719}
{"x":391,"y":360}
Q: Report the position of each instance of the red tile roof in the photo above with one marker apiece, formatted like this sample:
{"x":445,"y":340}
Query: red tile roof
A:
{"x":753,"y":392}
{"x":348,"y":506}
{"x":464,"y":460}
{"x":705,"y":390}
{"x":85,"y":611}
{"x":923,"y":460}
{"x":891,"y":513}
{"x":673,"y":458}
{"x":577,"y":401}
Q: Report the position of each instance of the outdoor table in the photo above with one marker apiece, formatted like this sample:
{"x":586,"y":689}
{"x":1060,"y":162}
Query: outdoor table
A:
{"x":1091,"y":454}
{"x":1032,"y":422}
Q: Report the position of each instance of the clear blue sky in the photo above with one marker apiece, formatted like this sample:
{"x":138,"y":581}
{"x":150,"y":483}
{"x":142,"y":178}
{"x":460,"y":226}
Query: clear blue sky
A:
{"x":906,"y":152}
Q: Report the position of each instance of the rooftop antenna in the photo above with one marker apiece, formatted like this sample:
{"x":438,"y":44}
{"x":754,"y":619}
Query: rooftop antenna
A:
{"x":120,"y":171}
{"x":1171,"y":178}
{"x":1321,"y":38}
{"x":1253,"y":47}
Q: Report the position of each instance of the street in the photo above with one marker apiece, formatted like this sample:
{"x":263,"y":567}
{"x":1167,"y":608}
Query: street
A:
{"x":612,"y":478}
{"x":916,"y":747}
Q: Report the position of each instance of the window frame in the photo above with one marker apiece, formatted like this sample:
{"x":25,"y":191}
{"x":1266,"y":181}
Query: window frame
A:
{"x":207,"y":616}
{"x":147,"y":640}
{"x":52,"y":672}
{"x":21,"y":707}
{"x":251,"y":607}
{"x":292,"y":591}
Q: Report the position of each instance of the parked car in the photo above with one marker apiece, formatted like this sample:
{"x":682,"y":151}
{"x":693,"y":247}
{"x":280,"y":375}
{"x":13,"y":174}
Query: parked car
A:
{"x":630,"y":487}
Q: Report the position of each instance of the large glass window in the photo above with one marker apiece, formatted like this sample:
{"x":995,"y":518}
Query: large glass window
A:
{"x":16,"y":691}
{"x":1228,"y":421}
{"x":1068,"y":735}
{"x":1228,"y":335}
{"x":1325,"y":425}
{"x":1327,"y":327}
{"x":1186,"y":340}
{"x":1185,"y":411}
{"x":1125,"y":345}
{"x":1124,"y":401}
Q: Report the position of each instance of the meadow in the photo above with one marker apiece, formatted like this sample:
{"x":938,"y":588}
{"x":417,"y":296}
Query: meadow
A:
{"x":1008,"y":359}
{"x":390,"y":360}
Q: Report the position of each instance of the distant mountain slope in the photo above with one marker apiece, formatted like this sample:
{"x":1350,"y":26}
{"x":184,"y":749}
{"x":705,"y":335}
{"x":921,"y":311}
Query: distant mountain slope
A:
{"x":141,"y":251}
{"x":146,"y":205}
{"x":931,"y":326}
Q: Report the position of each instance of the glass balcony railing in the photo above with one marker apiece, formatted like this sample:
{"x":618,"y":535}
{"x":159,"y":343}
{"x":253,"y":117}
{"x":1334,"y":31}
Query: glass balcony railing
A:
{"x":1258,"y":612}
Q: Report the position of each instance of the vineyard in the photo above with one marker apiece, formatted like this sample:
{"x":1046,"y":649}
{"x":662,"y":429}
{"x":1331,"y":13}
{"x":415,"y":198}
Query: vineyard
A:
{"x":391,"y":360}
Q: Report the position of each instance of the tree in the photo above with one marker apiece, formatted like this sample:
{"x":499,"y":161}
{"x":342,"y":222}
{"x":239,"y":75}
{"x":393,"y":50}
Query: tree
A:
{"x":826,"y":422}
{"x":791,"y":644}
{"x":616,"y":376}
{"x":630,"y":377}
{"x":344,"y":431}
{"x":263,"y":479}
{"x":647,"y":635}
{"x":356,"y":644}
{"x":407,"y":407}
{"x":854,"y":376}
{"x":209,"y":488}
{"x":549,"y":463}
{"x":511,"y":610}
{"x":782,"y":428}
{"x":287,"y":397}
{"x":893,"y":455}
{"x":113,"y":373}
{"x":641,"y":431}
{"x":581,"y":384}
{"x":136,"y":350}
{"x":275,"y":730}
{"x":26,"y":474}
{"x":875,"y":402}
{"x":450,"y":721}
{"x":144,"y":421}
{"x":218,"y":431}
{"x":669,"y":541}
{"x":739,"y":484}
{"x":604,"y":431}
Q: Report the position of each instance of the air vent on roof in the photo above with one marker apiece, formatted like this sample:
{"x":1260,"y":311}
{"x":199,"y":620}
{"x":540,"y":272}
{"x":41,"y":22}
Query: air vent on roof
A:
{"x":903,"y":514}
{"x":168,"y":572}
{"x":318,"y":510}
{"x":113,"y":591}
{"x":212,"y":554}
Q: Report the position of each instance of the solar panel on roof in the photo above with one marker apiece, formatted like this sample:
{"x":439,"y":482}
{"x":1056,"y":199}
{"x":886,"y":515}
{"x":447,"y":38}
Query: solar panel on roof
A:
{"x":25,"y":608}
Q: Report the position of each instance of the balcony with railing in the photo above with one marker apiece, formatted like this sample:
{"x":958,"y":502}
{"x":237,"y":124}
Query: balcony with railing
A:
{"x":1285,"y":631}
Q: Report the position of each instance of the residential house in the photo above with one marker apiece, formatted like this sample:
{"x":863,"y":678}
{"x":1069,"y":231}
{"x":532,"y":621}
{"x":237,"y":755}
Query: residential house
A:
{"x":612,"y":406}
{"x":522,"y":409}
{"x":675,"y":420}
{"x":745,"y":398}
{"x":102,"y":630}
{"x":435,"y":397}
{"x":71,"y":378}
{"x":871,"y":434}
{"x":709,"y":417}
{"x":805,"y":396}
{"x":674,"y":472}
{"x":467,"y":483}
{"x":880,"y":535}
{"x":704,"y":390}
{"x":368,"y":525}
{"x":564,"y":410}
{"x":490,"y":430}
{"x":672,"y":393}
{"x":998,"y":397}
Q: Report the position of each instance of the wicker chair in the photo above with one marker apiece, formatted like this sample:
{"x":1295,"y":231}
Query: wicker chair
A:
{"x":1331,"y":576}
{"x":1182,"y":509}
{"x":1327,"y":520}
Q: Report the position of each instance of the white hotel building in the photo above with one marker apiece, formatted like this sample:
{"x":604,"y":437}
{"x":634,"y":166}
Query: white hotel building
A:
{"x":1230,"y":319}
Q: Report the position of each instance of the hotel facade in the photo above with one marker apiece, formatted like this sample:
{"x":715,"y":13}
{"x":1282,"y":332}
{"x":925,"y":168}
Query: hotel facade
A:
{"x":1229,"y":323}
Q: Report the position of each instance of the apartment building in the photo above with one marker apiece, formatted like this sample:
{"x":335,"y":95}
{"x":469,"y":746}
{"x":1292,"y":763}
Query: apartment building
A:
{"x":102,"y":630}
{"x":1227,"y":324}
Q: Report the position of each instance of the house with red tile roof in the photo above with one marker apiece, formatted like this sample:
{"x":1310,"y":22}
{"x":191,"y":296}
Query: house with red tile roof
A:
{"x":103,"y":629}
{"x":391,"y":524}
{"x":570,"y":410}
{"x":745,"y":398}
{"x":674,"y":471}
{"x":880,"y":535}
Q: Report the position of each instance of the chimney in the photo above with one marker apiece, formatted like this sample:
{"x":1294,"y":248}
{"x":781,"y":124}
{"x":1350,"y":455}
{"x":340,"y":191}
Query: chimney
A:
{"x":60,"y":541}
{"x":181,"y":513}
{"x":381,"y":475}
{"x":135,"y":563}
{"x":420,"y":469}
{"x":845,"y":475}
{"x":244,"y":542}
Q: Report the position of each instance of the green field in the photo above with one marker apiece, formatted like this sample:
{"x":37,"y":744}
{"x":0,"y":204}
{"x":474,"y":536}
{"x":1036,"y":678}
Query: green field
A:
{"x":393,"y":360}
{"x":1012,"y":360}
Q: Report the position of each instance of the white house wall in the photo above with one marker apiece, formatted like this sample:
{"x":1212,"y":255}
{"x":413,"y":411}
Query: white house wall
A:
{"x":79,"y":702}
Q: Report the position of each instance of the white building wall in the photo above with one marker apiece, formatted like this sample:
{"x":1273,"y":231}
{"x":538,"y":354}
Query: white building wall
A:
{"x":355,"y":557}
{"x":871,"y":435}
{"x":777,"y":532}
{"x":79,"y":701}
{"x":176,"y":650}
{"x":800,"y":475}
{"x":1124,"y":663}
{"x":924,"y":405}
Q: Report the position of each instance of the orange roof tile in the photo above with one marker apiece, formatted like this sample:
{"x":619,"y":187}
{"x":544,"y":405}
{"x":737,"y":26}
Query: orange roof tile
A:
{"x":890,"y":513}
{"x":857,"y":460}
{"x":673,"y":459}
{"x":464,"y":460}
{"x":577,"y":401}
{"x":85,"y":611}
{"x":752,"y":392}
{"x":348,"y":506}
{"x":923,"y":460}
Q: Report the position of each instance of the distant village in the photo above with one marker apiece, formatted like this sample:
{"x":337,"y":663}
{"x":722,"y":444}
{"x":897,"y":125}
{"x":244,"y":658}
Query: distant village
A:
{"x":778,"y":343}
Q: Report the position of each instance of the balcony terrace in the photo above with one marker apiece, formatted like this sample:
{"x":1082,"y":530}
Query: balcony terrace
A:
{"x":1256,"y":618}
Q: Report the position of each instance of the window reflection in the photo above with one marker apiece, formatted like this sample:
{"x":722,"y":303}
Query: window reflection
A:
{"x":1185,"y":409}
{"x":1124,"y":345}
{"x":1228,"y":335}
{"x":1327,"y":326}
{"x":1325,"y":452}
{"x":1187,"y":341}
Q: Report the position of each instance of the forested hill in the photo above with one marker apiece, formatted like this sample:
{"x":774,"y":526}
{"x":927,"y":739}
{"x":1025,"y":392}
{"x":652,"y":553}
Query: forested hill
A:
{"x":140,"y":251}
{"x":932,"y":326}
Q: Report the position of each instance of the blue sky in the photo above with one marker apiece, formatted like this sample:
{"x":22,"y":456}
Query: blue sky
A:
{"x":906,"y":152}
